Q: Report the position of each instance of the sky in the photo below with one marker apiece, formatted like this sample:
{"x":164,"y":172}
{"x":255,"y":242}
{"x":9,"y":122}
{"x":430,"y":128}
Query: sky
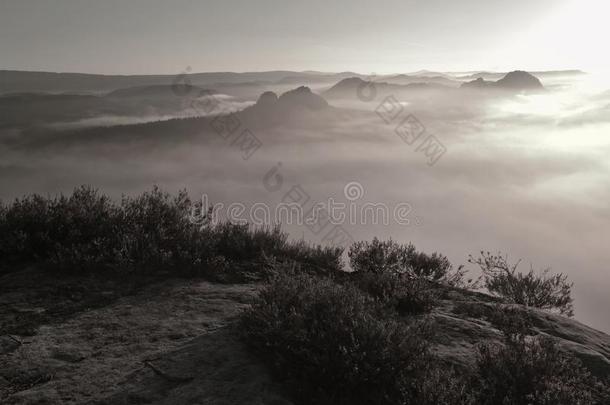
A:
{"x":155,"y":36}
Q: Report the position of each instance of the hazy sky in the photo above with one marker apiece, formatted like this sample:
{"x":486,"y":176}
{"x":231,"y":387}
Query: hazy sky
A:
{"x":158,"y":36}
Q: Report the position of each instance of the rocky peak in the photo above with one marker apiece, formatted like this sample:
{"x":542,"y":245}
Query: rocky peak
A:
{"x":268,"y":98}
{"x":302,"y":98}
{"x":519,"y":80}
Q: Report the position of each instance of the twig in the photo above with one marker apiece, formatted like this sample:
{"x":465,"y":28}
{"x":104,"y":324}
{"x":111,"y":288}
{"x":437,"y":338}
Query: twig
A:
{"x":168,"y":377}
{"x":15,"y":340}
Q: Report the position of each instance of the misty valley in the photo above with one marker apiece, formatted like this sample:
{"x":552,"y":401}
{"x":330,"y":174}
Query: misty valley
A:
{"x":168,"y":211}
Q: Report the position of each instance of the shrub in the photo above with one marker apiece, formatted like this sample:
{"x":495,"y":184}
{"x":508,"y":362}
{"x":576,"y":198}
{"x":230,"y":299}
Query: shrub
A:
{"x":64,"y":232}
{"x":243,"y":243}
{"x":149,"y":234}
{"x":444,"y":386}
{"x":408,"y":295}
{"x":544,"y":291}
{"x":334,"y":344}
{"x":415,"y":297}
{"x":24,"y":231}
{"x":390,"y":257}
{"x":157,"y":235}
{"x":318,"y":259}
{"x":84,"y":230}
{"x":533,"y":371}
{"x":510,"y":320}
{"x":378,"y":257}
{"x":260,"y":253}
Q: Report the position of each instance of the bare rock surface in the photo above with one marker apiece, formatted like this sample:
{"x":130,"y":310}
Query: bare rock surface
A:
{"x":171,"y":343}
{"x":456,"y":333}
{"x":174,"y":342}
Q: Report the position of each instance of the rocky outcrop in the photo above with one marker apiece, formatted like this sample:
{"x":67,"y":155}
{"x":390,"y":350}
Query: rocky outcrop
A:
{"x":175,"y":343}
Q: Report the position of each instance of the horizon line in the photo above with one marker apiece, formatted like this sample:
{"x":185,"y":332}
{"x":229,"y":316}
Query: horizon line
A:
{"x":307,"y":71}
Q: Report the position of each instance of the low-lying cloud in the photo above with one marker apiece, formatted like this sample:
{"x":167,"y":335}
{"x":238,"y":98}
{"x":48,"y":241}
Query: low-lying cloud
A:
{"x":527,"y":176}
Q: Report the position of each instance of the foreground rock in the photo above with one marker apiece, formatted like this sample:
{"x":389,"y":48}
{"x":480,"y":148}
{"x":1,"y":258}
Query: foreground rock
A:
{"x":169,"y":344}
{"x":463,"y":321}
{"x":174,"y":343}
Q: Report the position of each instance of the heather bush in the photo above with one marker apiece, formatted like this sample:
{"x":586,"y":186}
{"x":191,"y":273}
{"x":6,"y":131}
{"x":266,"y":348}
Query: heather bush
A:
{"x":415,"y":297}
{"x":533,"y":370}
{"x":84,"y":230}
{"x":316,"y":259}
{"x":24,"y":231}
{"x":508,"y":319}
{"x":544,"y":291}
{"x":156,"y":233}
{"x":408,"y":295}
{"x":64,"y":232}
{"x":379,"y":257}
{"x":400,"y":276}
{"x":442,"y":385}
{"x":260,"y":253}
{"x":243,"y":243}
{"x":334,"y":344}
{"x":149,"y":234}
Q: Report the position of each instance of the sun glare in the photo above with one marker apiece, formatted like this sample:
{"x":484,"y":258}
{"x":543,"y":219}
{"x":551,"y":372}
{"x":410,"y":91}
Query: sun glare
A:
{"x":572,"y":36}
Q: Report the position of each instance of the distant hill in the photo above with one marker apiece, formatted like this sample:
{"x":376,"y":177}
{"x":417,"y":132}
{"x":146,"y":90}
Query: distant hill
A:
{"x":14,"y":81}
{"x":270,"y":109}
{"x":482,"y":75}
{"x":351,"y":87}
{"x":409,"y":79}
{"x":347,"y":86}
{"x":539,"y":74}
{"x":429,"y":73}
{"x":517,"y":80}
{"x":316,"y":78}
{"x":23,"y":110}
{"x":299,"y":99}
{"x":27,"y":109}
{"x":297,"y":105}
{"x":160,"y":90}
{"x":573,"y":72}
